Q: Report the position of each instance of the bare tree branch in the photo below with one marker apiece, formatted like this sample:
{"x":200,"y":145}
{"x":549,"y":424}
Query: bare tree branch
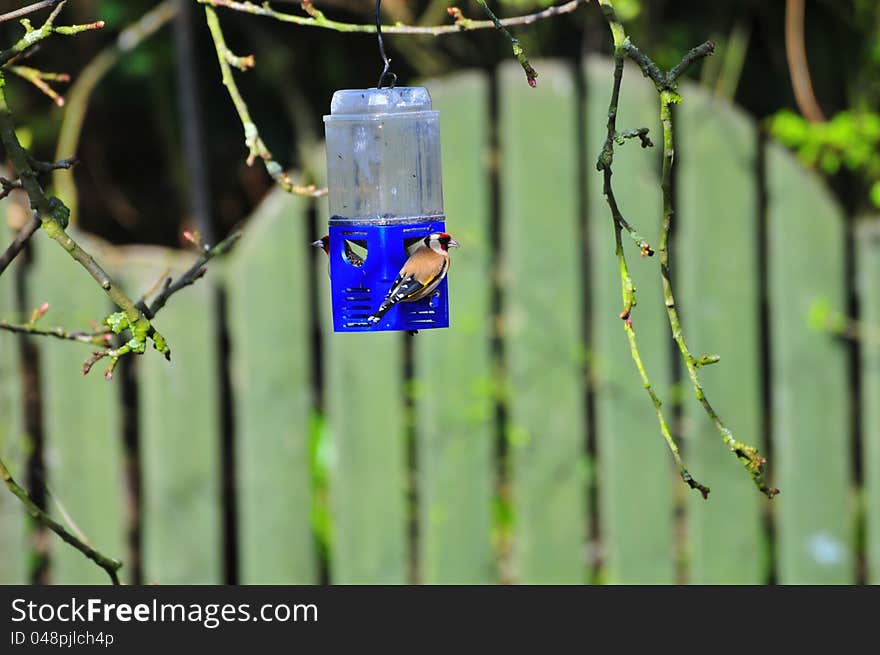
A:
{"x":97,"y":338}
{"x":24,"y":235}
{"x":195,"y":272}
{"x":518,"y":52}
{"x":628,"y":290}
{"x":252,"y":139}
{"x":24,"y":11}
{"x":462,"y":24}
{"x":33,"y":36}
{"x":87,"y":79}
{"x":110,"y":565}
{"x":665,"y":84}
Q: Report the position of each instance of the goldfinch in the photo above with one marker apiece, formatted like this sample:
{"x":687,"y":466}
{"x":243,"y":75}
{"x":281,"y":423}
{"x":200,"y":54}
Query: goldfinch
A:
{"x":420,"y":275}
{"x":353,"y":258}
{"x":323,"y":243}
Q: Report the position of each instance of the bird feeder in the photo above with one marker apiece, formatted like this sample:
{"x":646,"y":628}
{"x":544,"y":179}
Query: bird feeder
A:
{"x":385,"y":194}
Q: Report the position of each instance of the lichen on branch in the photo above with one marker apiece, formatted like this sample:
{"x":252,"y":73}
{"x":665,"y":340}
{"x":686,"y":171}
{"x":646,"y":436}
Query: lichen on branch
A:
{"x":33,"y":35}
{"x":53,"y":214}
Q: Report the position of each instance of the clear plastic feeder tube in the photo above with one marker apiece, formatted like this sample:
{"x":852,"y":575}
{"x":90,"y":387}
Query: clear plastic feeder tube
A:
{"x":383,"y":157}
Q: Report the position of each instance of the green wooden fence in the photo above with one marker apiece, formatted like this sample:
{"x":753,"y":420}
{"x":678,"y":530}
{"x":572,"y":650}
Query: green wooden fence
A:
{"x":523,"y":447}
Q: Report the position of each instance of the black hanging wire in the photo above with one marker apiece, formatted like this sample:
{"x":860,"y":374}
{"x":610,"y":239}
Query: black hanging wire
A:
{"x":386,"y":71}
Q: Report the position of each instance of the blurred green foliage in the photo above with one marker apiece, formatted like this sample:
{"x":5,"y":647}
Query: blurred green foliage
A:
{"x":851,"y":139}
{"x":849,"y":142}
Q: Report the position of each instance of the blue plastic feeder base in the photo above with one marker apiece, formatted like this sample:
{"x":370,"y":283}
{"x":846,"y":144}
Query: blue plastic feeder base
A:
{"x":358,"y":290}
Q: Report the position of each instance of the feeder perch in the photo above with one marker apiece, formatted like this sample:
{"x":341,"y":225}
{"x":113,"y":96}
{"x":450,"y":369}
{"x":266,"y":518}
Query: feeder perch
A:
{"x":385,"y":193}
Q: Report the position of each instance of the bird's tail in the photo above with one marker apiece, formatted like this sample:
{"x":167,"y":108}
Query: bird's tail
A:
{"x":386,"y":305}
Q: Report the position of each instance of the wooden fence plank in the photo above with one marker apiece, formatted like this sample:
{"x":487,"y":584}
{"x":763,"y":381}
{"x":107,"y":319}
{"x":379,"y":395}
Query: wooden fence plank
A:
{"x":13,"y":539}
{"x":868,"y":279}
{"x":271,"y":378}
{"x":543,"y":323}
{"x":636,"y":471}
{"x":809,"y":386}
{"x":719,"y":301}
{"x":364,"y":405}
{"x":455,"y":390}
{"x":180,"y":433}
{"x":80,"y":414}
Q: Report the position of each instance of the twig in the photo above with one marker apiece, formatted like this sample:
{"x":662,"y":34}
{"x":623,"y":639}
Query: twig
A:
{"x":49,"y":166}
{"x":665,"y":84}
{"x":461,"y":24}
{"x":195,"y":272}
{"x":47,"y":29}
{"x":68,"y":519}
{"x":23,"y":236}
{"x":8,"y":186}
{"x":227,"y":59}
{"x":110,"y":565}
{"x":97,"y":338}
{"x":748,"y":455}
{"x":168,"y":288}
{"x":28,"y":230}
{"x":54,"y":215}
{"x":518,"y":52}
{"x":40,"y":79}
{"x":706,"y":49}
{"x":252,"y":139}
{"x":162,"y":281}
{"x":628,"y":289}
{"x":87,"y":79}
{"x":24,"y":11}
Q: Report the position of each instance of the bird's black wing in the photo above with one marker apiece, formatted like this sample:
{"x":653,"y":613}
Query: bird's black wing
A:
{"x":403,"y":288}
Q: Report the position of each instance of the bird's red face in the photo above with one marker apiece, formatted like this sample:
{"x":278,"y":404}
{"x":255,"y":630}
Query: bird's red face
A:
{"x":440,"y":242}
{"x":323,"y":243}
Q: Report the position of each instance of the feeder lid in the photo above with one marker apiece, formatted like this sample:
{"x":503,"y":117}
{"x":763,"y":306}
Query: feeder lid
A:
{"x":359,"y":102}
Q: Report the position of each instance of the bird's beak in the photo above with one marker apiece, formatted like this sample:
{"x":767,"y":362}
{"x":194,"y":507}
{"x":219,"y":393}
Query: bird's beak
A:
{"x":318,"y":244}
{"x":453,"y":244}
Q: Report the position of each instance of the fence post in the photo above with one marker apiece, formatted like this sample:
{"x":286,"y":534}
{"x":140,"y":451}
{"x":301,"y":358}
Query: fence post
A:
{"x":810,"y":382}
{"x":868,"y":280}
{"x":13,"y":539}
{"x":718,"y":265}
{"x":271,"y":373}
{"x":636,"y":472}
{"x":542,"y":324}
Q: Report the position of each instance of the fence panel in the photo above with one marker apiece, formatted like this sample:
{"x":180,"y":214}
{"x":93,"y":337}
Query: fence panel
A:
{"x":810,"y":382}
{"x":13,"y":519}
{"x":83,"y":447}
{"x":455,"y":388}
{"x":868,"y":280}
{"x":543,"y":322}
{"x":272,"y":393}
{"x":364,"y":403}
{"x":180,"y":432}
{"x":635,"y":469}
{"x":719,"y":299}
